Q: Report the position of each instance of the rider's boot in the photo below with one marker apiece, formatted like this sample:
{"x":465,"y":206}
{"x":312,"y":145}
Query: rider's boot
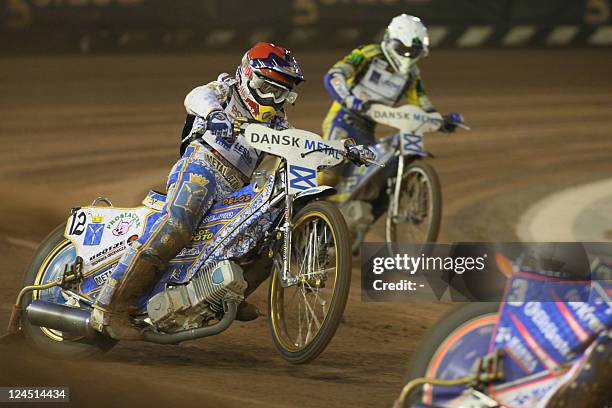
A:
{"x":134,"y":274}
{"x":190,"y":193}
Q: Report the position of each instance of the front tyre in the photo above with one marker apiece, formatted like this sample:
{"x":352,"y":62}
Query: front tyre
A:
{"x":419,"y":212}
{"x":304,"y":317}
{"x":449,"y":349}
{"x":48,"y":264}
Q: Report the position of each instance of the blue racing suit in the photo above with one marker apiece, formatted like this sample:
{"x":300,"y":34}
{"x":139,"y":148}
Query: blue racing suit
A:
{"x":211,"y":167}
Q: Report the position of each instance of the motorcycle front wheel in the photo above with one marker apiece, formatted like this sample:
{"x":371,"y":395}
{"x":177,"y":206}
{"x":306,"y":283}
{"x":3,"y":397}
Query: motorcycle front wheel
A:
{"x":305,"y":316}
{"x":449,"y":349}
{"x":419,"y":213}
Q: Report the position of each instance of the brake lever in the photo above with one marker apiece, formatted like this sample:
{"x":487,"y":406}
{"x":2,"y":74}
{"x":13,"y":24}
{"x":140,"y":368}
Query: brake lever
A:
{"x":381,"y":165}
{"x":323,"y":149}
{"x":360,"y":161}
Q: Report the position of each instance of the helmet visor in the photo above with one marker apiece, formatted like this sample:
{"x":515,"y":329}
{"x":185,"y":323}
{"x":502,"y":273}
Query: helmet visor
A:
{"x":414,"y":51}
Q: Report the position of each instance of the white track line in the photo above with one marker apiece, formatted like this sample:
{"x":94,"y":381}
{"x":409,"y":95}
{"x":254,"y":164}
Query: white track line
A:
{"x":437,"y":34}
{"x":603,"y":36}
{"x":519,"y":35}
{"x":562,"y":35}
{"x":24,"y":243}
{"x":475,"y":36}
{"x":553,"y":218}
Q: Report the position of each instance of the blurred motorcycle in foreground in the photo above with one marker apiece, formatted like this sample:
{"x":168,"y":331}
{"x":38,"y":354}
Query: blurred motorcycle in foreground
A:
{"x":548,"y":344}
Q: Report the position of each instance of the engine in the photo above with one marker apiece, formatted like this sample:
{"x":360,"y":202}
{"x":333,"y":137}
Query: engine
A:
{"x":186,"y":306}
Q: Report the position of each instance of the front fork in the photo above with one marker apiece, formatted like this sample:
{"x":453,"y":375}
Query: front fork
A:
{"x":397,"y":188}
{"x":286,"y":278}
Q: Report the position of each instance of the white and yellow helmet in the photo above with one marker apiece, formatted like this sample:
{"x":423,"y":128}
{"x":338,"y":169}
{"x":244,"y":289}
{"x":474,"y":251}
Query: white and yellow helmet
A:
{"x":406,"y":41}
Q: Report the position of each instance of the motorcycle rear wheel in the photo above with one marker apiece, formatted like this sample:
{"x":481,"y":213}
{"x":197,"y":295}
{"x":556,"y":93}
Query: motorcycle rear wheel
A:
{"x":304,"y":317}
{"x":49,"y":259}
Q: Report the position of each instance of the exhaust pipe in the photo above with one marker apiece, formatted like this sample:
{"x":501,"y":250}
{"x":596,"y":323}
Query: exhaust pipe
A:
{"x":192,"y":334}
{"x":67,"y":319}
{"x":76,"y":321}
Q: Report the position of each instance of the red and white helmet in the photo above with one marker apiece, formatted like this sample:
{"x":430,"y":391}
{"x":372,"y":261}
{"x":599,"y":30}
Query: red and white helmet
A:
{"x":266,"y":79}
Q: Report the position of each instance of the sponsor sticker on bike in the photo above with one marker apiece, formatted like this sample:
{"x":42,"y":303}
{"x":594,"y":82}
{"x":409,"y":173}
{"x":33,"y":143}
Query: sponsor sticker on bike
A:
{"x":94,"y":232}
{"x":121,"y":223}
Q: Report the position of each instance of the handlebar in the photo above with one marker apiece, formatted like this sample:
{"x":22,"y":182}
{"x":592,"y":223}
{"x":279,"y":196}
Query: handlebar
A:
{"x":323,"y":149}
{"x":345,"y":155}
{"x":410,"y":119}
{"x":239,"y":128}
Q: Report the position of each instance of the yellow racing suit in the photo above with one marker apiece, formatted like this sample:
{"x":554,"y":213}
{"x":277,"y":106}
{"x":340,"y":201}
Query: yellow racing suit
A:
{"x":366,"y":74}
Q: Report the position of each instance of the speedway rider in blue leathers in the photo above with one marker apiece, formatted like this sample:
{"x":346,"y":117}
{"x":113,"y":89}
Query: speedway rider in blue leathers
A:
{"x":384,"y":73}
{"x":215,"y":162}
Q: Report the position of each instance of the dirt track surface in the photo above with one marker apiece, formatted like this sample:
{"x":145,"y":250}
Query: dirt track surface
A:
{"x":74,"y":128}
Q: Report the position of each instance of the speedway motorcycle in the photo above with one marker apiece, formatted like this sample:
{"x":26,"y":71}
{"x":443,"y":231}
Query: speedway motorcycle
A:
{"x":461,"y":363}
{"x":413,"y":195}
{"x":279,"y":216}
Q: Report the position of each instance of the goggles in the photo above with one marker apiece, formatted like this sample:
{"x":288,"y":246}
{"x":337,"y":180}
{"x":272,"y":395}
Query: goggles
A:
{"x":267,"y":89}
{"x":413,"y":52}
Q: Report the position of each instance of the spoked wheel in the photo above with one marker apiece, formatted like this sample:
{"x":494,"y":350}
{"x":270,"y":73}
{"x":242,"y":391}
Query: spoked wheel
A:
{"x":52,"y":256}
{"x":420,"y":207}
{"x":304,"y":317}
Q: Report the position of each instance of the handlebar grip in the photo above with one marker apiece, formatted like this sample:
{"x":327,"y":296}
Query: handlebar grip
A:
{"x":238,"y":123}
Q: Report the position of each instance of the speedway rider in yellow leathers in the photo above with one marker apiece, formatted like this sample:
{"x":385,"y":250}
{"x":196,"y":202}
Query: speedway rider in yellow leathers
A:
{"x":384,"y":73}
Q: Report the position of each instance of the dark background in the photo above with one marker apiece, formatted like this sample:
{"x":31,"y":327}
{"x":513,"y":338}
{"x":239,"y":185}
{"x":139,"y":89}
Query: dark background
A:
{"x":91,"y":104}
{"x":164,"y":25}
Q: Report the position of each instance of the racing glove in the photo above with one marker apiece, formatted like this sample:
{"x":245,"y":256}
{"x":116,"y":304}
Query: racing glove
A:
{"x":220,"y":125}
{"x":359,"y":154}
{"x":451,"y":121}
{"x":354,"y":104}
{"x":279,"y":123}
